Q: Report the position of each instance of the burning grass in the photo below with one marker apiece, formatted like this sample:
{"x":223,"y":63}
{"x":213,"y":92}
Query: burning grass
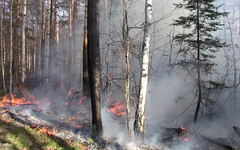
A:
{"x":14,"y":137}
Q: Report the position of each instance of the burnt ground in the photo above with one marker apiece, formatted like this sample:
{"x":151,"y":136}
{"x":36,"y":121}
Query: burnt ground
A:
{"x":67,"y":115}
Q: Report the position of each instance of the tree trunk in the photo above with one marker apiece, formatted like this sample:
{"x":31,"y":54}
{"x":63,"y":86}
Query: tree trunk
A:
{"x":126,"y":47}
{"x":94,"y":64}
{"x":47,"y":42}
{"x":43,"y":73}
{"x":51,"y":65}
{"x":198,"y":66}
{"x":11,"y":50}
{"x":1,"y":45}
{"x":142,"y":99}
{"x":85,"y":56}
{"x":23,"y":39}
{"x":74,"y":42}
{"x":56,"y":47}
{"x":69,"y":50}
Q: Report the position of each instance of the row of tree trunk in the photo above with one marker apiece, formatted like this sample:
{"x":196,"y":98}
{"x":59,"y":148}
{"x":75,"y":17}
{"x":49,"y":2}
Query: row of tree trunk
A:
{"x":48,"y":58}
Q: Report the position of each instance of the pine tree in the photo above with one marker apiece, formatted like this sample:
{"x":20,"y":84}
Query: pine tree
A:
{"x":200,"y":42}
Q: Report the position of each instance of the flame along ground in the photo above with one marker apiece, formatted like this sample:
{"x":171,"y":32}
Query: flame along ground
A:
{"x":115,"y":106}
{"x":185,"y":134}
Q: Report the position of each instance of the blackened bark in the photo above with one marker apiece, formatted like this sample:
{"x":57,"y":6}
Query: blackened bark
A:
{"x":94,"y":64}
{"x":85,"y":56}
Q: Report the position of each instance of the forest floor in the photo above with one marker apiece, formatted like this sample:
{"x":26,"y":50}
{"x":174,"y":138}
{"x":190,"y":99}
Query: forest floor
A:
{"x":15,"y":136}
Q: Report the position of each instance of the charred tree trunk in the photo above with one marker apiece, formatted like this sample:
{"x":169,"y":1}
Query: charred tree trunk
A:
{"x":23,"y":39}
{"x":142,"y":99}
{"x":198,"y":67}
{"x":126,"y":47}
{"x":1,"y":45}
{"x":85,"y":55}
{"x":94,"y":64}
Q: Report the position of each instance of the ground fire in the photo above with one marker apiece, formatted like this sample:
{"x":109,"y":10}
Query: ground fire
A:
{"x":116,"y":106}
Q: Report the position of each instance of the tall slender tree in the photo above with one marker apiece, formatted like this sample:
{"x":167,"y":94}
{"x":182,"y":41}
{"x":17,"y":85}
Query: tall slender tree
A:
{"x":11,"y":49}
{"x":47,"y":41}
{"x":56,"y":46}
{"x":85,"y":55}
{"x":43,"y":31}
{"x":69,"y":50}
{"x":126,"y":46}
{"x":201,"y":44}
{"x":1,"y":46}
{"x":52,"y":53}
{"x":142,"y":97}
{"x":94,"y":64}
{"x":23,"y":39}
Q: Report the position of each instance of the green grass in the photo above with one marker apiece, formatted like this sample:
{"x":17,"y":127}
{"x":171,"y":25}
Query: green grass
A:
{"x":13,"y":137}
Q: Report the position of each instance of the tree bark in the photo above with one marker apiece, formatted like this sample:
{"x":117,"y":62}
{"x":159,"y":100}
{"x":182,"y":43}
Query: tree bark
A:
{"x":57,"y":49}
{"x":94,"y":64}
{"x":47,"y":42}
{"x":11,"y":49}
{"x":142,"y":99}
{"x":74,"y":42}
{"x":126,"y":47}
{"x":51,"y":65}
{"x":85,"y":56}
{"x":69,"y":50}
{"x":23,"y":39}
{"x":1,"y":44}
{"x":43,"y":73}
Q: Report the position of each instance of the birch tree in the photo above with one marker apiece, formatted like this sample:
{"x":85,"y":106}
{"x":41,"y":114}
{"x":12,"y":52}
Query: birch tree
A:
{"x":94,"y":64}
{"x":23,"y":39}
{"x":1,"y":45}
{"x":126,"y":47}
{"x":142,"y":97}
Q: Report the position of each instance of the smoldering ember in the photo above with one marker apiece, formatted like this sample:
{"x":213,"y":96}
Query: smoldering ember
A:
{"x":119,"y":75}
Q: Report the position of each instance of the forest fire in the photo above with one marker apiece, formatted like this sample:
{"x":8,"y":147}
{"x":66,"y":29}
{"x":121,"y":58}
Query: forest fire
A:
{"x":45,"y":129}
{"x":116,"y":106}
{"x":184,"y":137}
{"x":6,"y":101}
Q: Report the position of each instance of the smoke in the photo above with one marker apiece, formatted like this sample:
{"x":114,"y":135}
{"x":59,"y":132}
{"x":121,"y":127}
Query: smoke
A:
{"x":168,"y":97}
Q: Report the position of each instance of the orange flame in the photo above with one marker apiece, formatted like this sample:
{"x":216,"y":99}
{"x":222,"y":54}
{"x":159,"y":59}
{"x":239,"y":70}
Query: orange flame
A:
{"x":13,"y":101}
{"x":81,"y":100}
{"x":185,"y":136}
{"x":47,"y":131}
{"x":116,"y":107}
